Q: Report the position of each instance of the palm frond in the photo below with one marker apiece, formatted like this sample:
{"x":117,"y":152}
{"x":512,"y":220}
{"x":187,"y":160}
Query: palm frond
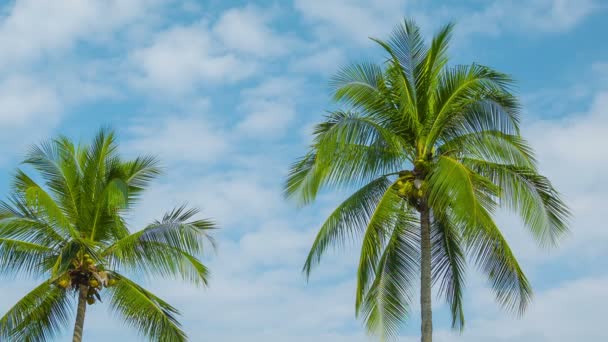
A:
{"x":468,"y":199}
{"x":388,"y":214}
{"x":448,"y":266}
{"x":17,"y":221}
{"x":349,"y":149}
{"x":55,"y":160}
{"x":42,"y":203}
{"x":463,"y":89}
{"x":23,"y":257}
{"x":531,"y":195}
{"x":166,"y":247}
{"x":39,"y":316}
{"x":149,"y":314}
{"x":349,"y":219}
{"x":387,"y":302}
{"x":491,"y":146}
{"x":427,"y":72}
{"x":494,"y":257}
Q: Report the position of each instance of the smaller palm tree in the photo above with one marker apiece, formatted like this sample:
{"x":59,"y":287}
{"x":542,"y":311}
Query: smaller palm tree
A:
{"x":71,"y":231}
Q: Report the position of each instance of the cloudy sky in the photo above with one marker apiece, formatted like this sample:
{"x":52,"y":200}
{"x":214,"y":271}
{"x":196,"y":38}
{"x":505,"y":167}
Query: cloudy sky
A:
{"x":226,"y":92}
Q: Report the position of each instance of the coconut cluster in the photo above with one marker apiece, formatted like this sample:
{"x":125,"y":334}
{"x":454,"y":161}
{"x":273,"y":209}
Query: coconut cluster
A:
{"x":411,"y":185}
{"x":84,"y":271}
{"x":405,"y":185}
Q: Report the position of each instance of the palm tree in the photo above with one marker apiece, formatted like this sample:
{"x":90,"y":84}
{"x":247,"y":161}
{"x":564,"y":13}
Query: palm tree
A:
{"x":434,"y":151}
{"x":71,"y":230}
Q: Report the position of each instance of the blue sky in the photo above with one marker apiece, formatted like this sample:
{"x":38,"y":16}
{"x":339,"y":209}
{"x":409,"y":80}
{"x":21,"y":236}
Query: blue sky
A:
{"x":226,"y":92}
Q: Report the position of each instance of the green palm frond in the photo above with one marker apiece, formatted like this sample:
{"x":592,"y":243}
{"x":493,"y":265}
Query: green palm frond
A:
{"x":138,"y":175}
{"x":491,"y":146}
{"x":387,"y":302}
{"x":469,"y":199}
{"x":43,"y":204}
{"x":39,"y":316}
{"x":18,"y":222}
{"x":165,"y":247}
{"x":150,"y":315}
{"x":386,"y":217}
{"x":530,"y":194}
{"x":449,"y":263}
{"x":358,"y":85}
{"x":494,"y":257}
{"x":18,"y":256}
{"x":348,"y":220}
{"x":349,"y":147}
{"x":461,"y":90}
{"x":428,"y":71}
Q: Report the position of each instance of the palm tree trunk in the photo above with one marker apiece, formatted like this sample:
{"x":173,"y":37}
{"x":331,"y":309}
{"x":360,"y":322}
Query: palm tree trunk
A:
{"x":425,"y":275}
{"x":82,"y":308}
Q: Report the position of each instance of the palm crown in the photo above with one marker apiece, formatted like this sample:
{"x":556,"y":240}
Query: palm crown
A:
{"x":434,"y":150}
{"x":71,"y":231}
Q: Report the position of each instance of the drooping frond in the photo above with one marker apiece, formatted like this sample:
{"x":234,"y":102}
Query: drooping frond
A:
{"x":448,"y":266}
{"x":494,"y":257}
{"x":493,"y":110}
{"x":38,"y":317}
{"x":454,"y":187}
{"x":387,"y":216}
{"x":531,"y":195}
{"x":304,"y":179}
{"x":139,"y":308}
{"x":348,"y":220}
{"x":387,"y":302}
{"x":468,"y":199}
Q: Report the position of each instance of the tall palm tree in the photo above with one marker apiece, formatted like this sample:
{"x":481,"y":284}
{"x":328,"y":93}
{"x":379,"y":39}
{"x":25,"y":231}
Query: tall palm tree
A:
{"x":70,"y":229}
{"x":434,"y":150}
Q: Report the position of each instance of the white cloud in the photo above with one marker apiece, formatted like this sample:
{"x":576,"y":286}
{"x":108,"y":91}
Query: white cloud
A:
{"x":270,"y":107}
{"x":179,"y":139}
{"x":248,"y":30}
{"x":527,"y":17}
{"x":185,"y":57}
{"x":354,"y":20}
{"x":568,"y":150}
{"x":35,"y":29}
{"x":24,"y":100}
{"x":29,"y":109}
{"x":570,"y":312}
{"x":322,"y":61}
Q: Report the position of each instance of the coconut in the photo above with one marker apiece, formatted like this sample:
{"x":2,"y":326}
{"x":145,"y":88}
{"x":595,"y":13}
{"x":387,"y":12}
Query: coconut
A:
{"x":91,"y":300}
{"x":93,"y":283}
